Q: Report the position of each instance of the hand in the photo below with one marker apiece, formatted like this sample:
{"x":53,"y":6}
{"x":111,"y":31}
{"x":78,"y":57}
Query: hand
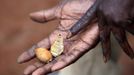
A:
{"x":111,"y":18}
{"x":69,"y":13}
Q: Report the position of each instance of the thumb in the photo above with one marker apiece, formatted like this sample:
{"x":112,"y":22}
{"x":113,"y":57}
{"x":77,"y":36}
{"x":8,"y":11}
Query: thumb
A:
{"x":43,"y":15}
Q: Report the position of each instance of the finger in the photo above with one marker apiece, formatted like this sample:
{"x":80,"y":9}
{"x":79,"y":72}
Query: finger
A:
{"x":29,"y":54}
{"x":43,"y":15}
{"x":105,"y":41}
{"x":32,"y":68}
{"x":120,"y":35}
{"x":104,"y":31}
{"x":44,"y":69}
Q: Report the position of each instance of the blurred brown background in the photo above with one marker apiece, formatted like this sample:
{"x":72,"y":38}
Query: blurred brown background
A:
{"x":18,"y":33}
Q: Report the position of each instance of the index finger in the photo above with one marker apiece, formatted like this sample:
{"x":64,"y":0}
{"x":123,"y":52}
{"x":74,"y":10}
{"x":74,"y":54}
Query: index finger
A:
{"x":29,"y":54}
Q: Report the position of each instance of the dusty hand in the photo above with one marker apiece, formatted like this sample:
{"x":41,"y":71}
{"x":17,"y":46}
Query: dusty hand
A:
{"x":69,"y":13}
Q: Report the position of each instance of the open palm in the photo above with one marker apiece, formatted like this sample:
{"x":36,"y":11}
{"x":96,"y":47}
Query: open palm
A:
{"x":69,"y":12}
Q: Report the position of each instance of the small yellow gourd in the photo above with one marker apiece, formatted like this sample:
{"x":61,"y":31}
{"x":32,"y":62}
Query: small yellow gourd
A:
{"x":43,"y":55}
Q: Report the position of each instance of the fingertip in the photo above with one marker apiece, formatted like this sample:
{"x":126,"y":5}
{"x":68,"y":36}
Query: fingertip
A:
{"x":24,"y":57}
{"x":29,"y":70}
{"x":39,"y":71}
{"x":38,"y":16}
{"x":21,"y":58}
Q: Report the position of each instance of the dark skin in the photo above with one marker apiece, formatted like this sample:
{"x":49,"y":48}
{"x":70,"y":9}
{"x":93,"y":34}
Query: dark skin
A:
{"x":114,"y":16}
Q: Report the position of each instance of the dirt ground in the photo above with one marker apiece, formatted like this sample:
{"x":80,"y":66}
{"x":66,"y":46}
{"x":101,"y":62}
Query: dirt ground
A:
{"x":18,"y":33}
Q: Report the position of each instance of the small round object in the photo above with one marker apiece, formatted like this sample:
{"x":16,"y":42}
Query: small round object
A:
{"x":43,"y":54}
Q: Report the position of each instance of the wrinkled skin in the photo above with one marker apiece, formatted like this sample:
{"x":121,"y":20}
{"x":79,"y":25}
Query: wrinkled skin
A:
{"x":114,"y":16}
{"x":69,"y":12}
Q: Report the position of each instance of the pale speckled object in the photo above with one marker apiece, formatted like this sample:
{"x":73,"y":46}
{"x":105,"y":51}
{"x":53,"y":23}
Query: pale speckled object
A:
{"x":57,"y":47}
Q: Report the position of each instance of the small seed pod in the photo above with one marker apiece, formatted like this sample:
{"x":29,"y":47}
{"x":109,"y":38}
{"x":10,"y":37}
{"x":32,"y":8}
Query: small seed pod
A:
{"x":58,"y":46}
{"x":43,"y":55}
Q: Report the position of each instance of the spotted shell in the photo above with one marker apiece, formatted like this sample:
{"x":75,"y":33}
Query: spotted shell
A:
{"x":58,"y":46}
